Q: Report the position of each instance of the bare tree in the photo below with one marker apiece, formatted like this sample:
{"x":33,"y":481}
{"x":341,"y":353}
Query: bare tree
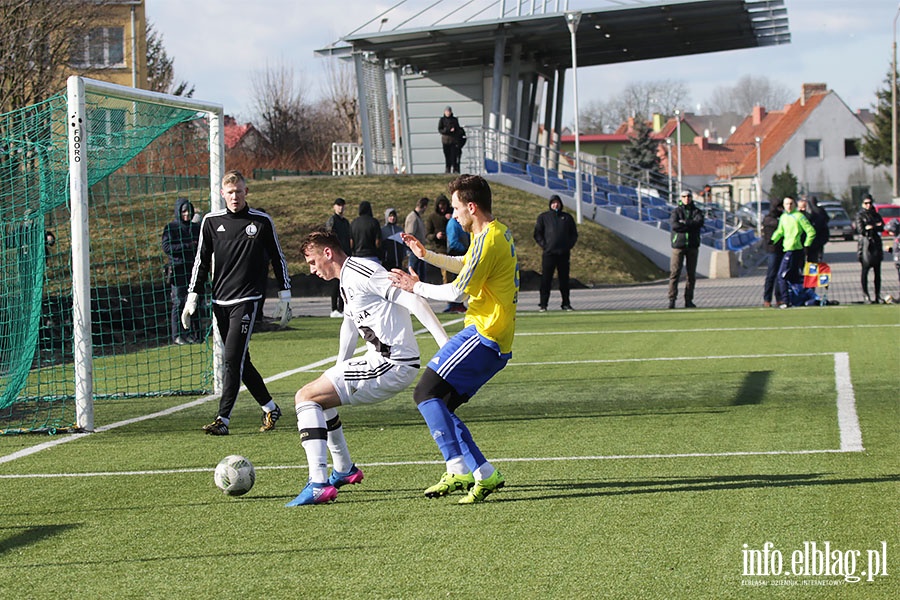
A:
{"x":640,"y":100}
{"x":749,"y":91}
{"x":593,"y":118}
{"x":342,"y":95}
{"x":37,"y":42}
{"x":279,"y":101}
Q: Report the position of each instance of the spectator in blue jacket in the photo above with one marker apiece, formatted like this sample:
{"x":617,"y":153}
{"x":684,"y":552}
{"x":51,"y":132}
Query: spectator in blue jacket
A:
{"x":457,"y":245}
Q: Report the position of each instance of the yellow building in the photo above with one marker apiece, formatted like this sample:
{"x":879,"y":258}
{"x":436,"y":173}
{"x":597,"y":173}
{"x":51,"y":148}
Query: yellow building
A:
{"x":114,"y":48}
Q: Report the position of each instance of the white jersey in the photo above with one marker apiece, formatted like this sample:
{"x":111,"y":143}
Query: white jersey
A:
{"x":385,"y":326}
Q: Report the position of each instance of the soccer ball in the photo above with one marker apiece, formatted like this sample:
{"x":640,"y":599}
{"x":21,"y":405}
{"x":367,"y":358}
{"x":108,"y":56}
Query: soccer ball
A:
{"x":234,"y":475}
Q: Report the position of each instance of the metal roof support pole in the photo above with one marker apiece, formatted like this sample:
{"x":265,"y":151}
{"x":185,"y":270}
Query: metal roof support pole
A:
{"x":528,"y":108}
{"x":546,"y":138}
{"x":557,"y":126}
{"x":497,"y":82}
{"x":512,"y":99}
{"x":404,"y":122}
{"x":399,"y":163}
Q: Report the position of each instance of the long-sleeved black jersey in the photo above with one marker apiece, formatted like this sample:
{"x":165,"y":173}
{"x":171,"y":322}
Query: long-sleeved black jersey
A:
{"x":241,"y":244}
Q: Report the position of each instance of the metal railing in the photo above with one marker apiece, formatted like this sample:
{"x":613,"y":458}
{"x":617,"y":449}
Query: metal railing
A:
{"x":546,"y":166}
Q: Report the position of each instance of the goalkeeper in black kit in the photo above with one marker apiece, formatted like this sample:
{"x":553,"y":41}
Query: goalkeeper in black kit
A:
{"x":238,"y":241}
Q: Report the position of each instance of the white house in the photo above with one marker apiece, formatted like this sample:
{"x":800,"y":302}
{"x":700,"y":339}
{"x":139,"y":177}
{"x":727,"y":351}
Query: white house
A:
{"x":818,"y":136}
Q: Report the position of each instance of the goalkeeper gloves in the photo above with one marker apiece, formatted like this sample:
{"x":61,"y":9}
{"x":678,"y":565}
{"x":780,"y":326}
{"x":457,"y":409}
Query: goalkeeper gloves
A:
{"x":283,"y":309}
{"x":190,"y":307}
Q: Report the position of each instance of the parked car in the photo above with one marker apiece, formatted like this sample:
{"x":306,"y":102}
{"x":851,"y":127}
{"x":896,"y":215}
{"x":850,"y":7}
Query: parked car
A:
{"x":888,"y":212}
{"x":747,"y":212}
{"x":840,"y":225}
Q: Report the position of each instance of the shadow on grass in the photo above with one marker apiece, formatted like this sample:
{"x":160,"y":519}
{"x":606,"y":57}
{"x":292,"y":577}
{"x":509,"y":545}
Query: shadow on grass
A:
{"x":753,"y":388}
{"x":582,"y":489}
{"x":27,"y":536}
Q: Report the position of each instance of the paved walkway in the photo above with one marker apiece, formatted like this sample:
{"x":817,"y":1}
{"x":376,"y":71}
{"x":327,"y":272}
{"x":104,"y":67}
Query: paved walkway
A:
{"x":709,"y":293}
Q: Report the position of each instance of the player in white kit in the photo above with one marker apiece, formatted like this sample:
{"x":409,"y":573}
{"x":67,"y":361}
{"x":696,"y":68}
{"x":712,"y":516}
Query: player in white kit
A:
{"x":380,"y":313}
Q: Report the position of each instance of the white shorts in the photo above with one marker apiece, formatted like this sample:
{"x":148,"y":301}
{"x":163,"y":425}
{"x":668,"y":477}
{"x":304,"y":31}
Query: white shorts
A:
{"x":370,"y":379}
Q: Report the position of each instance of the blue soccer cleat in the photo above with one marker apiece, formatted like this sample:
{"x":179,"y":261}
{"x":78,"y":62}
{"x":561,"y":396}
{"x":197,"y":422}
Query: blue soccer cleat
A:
{"x":315,"y":493}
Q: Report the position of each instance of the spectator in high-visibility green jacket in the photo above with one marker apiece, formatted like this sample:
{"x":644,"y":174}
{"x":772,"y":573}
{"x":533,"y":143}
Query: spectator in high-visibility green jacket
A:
{"x":795,"y":233}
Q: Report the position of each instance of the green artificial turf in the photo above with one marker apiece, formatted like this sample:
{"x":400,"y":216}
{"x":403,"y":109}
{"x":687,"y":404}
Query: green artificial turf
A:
{"x":644,"y":457}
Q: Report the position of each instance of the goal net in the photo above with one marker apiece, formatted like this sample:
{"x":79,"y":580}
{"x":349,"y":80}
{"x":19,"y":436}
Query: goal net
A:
{"x":91,"y":178}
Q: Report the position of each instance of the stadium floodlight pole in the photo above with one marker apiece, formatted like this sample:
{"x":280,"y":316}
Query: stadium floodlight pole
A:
{"x":894,"y":106}
{"x":758,"y":190}
{"x":669,"y":165}
{"x":573,"y":17}
{"x":678,"y":144}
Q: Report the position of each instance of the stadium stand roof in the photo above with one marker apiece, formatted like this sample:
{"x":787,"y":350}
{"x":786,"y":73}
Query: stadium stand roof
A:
{"x":621,"y":31}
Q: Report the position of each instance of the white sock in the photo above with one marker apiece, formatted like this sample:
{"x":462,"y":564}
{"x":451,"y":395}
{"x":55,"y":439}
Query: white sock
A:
{"x":484,"y":471}
{"x":269,"y":406}
{"x":337,"y":443}
{"x":457,"y":466}
{"x":313,"y":435}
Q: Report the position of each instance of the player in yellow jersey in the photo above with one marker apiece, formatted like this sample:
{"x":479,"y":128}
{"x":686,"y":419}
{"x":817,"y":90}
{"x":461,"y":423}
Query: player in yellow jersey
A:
{"x":489,"y":279}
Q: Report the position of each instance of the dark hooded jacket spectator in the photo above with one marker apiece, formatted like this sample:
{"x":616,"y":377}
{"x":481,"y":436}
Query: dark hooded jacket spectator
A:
{"x":365,"y":233}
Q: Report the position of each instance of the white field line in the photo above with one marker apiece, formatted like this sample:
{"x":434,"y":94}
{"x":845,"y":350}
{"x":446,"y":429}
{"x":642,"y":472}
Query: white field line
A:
{"x":702,"y":330}
{"x":848,"y":420}
{"x":439,"y":462}
{"x":846,"y":401}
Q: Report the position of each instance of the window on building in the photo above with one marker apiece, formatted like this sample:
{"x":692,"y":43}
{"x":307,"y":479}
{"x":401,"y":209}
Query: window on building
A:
{"x":100,"y":47}
{"x":812,"y":148}
{"x":106,"y":124}
{"x":851,"y":147}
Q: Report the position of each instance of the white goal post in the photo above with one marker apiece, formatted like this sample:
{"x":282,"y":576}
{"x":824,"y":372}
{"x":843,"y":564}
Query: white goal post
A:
{"x":78,"y":142}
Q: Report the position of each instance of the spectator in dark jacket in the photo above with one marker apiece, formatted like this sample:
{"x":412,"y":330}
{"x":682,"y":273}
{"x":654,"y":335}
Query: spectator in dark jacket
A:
{"x":179,"y":242}
{"x":365,"y":234}
{"x":819,"y":219}
{"x":774,"y":254}
{"x":451,"y":140}
{"x":869,"y":226}
{"x":687,"y":221}
{"x":436,"y":230}
{"x":392,"y":251}
{"x":341,"y":228}
{"x":555,"y":232}
{"x":436,"y":225}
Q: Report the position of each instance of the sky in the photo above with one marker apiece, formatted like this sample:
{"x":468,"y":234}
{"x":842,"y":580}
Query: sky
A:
{"x":219,"y":46}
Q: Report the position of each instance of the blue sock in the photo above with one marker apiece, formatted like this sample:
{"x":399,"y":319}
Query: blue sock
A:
{"x":440,"y":423}
{"x":472,"y":455}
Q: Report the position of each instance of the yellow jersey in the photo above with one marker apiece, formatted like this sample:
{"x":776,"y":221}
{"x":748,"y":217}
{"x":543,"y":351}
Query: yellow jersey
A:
{"x":490,"y":277}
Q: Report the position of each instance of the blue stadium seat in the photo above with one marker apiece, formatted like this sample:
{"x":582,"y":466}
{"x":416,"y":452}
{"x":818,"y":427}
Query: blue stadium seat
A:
{"x":630,"y":211}
{"x":621,"y":200}
{"x":658,"y":214}
{"x":535,"y":170}
{"x":511,"y":168}
{"x":491,"y":166}
{"x":555,"y":183}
